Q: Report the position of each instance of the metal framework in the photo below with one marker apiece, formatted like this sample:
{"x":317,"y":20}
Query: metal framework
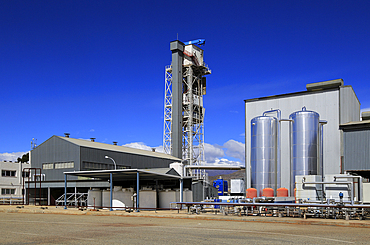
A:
{"x":193,"y":89}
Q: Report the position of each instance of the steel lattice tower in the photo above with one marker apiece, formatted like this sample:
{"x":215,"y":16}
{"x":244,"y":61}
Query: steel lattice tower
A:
{"x":192,"y":85}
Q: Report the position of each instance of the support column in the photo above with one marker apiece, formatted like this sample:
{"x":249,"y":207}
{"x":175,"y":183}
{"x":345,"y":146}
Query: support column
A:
{"x":177,"y":49}
{"x":137,"y":191}
{"x":111,"y":191}
{"x":48,"y":196}
{"x":76,"y":196}
{"x":181,"y":190}
{"x":65,"y":191}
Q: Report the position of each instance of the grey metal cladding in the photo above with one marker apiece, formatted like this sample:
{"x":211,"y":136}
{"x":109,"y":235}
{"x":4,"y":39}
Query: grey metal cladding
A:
{"x":63,"y":150}
{"x":348,"y":101}
{"x":126,"y":159}
{"x":55,"y":150}
{"x":357,"y":150}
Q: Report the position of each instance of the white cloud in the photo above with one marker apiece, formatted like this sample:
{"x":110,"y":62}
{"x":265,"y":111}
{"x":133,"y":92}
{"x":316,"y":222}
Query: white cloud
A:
{"x":13,"y":156}
{"x":212,"y":152}
{"x":235,"y":149}
{"x":365,"y":109}
{"x":224,"y":161}
{"x":143,"y":146}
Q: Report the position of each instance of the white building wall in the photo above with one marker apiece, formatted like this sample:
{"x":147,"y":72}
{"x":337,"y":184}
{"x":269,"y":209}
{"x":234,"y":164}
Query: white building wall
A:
{"x":325,"y":102}
{"x":12,"y":182}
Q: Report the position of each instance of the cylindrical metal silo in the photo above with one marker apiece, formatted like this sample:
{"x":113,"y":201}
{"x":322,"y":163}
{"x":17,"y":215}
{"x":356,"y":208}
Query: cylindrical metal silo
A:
{"x":304,"y":133}
{"x":263,"y":152}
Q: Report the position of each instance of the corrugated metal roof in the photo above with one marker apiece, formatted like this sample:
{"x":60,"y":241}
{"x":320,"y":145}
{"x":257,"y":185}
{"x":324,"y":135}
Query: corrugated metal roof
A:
{"x":357,"y":125}
{"x":127,"y":174}
{"x":309,"y":91}
{"x":117,"y":148}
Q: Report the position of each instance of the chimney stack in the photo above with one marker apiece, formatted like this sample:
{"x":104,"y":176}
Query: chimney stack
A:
{"x":115,"y":142}
{"x":67,"y":135}
{"x":92,"y":139}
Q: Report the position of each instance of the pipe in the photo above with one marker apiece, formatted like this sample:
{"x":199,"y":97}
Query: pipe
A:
{"x":278,"y":154}
{"x":111,"y":191}
{"x":181,"y":190}
{"x":291,"y":185}
{"x":65,"y":191}
{"x":321,"y":152}
{"x":353,"y":177}
{"x":137,"y":191}
{"x":275,"y":204}
{"x":332,"y":183}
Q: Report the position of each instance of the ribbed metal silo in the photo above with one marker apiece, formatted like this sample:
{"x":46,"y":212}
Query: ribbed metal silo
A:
{"x":263,"y":152}
{"x":304,"y":133}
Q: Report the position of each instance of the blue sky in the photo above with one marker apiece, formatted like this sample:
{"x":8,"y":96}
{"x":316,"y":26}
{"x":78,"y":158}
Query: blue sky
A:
{"x":96,"y":68}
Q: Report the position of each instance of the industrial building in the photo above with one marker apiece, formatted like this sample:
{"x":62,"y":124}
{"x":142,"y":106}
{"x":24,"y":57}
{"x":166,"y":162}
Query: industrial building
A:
{"x":11,"y":180}
{"x":356,"y":142}
{"x":60,"y":155}
{"x":326,"y":105}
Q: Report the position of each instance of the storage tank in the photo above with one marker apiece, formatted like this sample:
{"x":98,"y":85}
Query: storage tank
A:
{"x":282,"y":192}
{"x":251,"y":193}
{"x":105,"y":196}
{"x":304,"y":133}
{"x":264,"y":153}
{"x":268,"y":192}
{"x":94,"y":194}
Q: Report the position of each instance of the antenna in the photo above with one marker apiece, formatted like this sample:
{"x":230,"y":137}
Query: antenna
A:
{"x":33,"y":143}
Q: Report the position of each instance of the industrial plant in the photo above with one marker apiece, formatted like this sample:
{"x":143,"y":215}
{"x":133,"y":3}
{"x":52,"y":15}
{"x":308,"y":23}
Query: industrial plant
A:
{"x":307,"y":154}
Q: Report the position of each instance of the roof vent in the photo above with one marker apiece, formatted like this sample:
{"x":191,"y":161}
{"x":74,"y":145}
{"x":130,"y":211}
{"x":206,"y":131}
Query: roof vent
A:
{"x":67,"y":135}
{"x":92,"y":139}
{"x":365,"y":115}
{"x":324,"y":85}
{"x":115,"y":142}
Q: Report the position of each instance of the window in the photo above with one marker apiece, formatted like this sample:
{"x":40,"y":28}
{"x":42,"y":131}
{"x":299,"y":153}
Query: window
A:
{"x":7,"y":191}
{"x":104,"y":166}
{"x":25,"y":174}
{"x":8,"y":173}
{"x":47,"y":165}
{"x":60,"y":165}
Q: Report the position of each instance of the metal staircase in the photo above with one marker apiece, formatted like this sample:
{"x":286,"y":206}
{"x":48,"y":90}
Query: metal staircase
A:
{"x":73,"y":199}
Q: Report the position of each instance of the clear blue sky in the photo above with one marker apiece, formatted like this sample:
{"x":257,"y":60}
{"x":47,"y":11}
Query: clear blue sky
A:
{"x":96,"y":68}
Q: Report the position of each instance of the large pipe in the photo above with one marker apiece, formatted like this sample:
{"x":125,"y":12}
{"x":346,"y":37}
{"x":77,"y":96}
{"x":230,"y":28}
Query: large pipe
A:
{"x":274,"y":204}
{"x":321,"y":152}
{"x":278,"y":153}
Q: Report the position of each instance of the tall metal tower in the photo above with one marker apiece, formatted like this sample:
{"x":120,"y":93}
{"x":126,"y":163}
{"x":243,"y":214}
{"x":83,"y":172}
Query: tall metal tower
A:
{"x":185,"y":85}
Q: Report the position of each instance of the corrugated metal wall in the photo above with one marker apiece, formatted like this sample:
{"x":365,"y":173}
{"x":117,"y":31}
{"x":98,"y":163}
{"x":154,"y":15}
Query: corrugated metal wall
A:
{"x":349,"y":105}
{"x":126,"y":159}
{"x":56,"y":150}
{"x":357,"y":150}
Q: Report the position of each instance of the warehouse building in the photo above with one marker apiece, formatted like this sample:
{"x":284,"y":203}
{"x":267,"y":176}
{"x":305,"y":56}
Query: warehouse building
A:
{"x":59,"y":155}
{"x":334,"y":103}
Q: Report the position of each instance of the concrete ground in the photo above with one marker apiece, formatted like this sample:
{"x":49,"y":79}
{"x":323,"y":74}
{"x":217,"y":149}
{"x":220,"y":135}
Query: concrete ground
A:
{"x":38,"y":225}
